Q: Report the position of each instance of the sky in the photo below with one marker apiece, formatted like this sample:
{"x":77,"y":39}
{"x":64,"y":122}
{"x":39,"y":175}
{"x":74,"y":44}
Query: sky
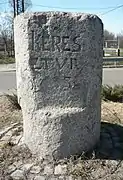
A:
{"x":113,"y":21}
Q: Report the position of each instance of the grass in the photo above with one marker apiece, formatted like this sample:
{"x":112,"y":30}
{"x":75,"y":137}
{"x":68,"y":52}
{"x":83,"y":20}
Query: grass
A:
{"x":112,"y":103}
{"x":113,"y":53}
{"x":13,"y":100}
{"x":9,"y":110}
{"x":6,"y":60}
{"x":114,"y":94}
{"x":113,"y":63}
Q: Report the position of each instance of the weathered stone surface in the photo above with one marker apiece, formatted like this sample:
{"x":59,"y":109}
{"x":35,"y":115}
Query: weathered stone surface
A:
{"x":11,"y":169}
{"x":60,"y":169}
{"x":26,"y":167}
{"x":74,"y":178}
{"x":39,"y":178}
{"x":59,"y":74}
{"x":48,"y":170}
{"x":35,"y":169}
{"x":62,"y":178}
{"x":17,"y":175}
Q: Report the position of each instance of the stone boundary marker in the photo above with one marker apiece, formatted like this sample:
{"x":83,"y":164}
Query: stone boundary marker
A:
{"x":59,"y":59}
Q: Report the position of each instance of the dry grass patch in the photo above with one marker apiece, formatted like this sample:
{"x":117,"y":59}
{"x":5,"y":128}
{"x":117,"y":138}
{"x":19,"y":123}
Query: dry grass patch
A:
{"x":112,"y":112}
{"x":13,"y":99}
{"x":8,"y":114}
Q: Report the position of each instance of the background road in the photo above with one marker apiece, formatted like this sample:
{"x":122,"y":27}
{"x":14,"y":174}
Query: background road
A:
{"x":7,"y":81}
{"x":111,"y":76}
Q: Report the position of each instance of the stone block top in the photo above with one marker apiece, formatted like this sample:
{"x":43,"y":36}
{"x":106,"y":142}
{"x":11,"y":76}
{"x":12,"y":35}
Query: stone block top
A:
{"x":62,"y":52}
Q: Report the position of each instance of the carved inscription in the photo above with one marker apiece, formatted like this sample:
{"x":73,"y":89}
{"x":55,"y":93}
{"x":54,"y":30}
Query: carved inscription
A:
{"x":61,"y":44}
{"x":57,"y":43}
{"x":44,"y":63}
{"x":72,"y":63}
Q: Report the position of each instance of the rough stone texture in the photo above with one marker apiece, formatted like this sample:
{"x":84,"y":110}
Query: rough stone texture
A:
{"x":35,"y":170}
{"x":26,"y":167}
{"x":60,"y":169}
{"x":39,"y":178}
{"x":48,"y":170}
{"x":59,"y":75}
{"x":17,"y":175}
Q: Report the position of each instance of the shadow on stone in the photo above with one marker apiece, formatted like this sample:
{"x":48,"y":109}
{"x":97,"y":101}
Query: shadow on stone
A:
{"x":111,"y":142}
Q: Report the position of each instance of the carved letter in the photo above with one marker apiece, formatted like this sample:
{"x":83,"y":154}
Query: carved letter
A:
{"x":61,"y":65}
{"x":78,"y":46}
{"x":45,"y":43}
{"x":33,"y":40}
{"x":43,"y":63}
{"x":73,"y":61}
{"x":65,"y":40}
{"x":46,"y":62}
{"x":55,"y":43}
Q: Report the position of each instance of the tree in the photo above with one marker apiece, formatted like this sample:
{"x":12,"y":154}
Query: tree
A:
{"x":110,"y":41}
{"x":120,"y":39}
{"x":6,"y":34}
{"x":109,"y":35}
